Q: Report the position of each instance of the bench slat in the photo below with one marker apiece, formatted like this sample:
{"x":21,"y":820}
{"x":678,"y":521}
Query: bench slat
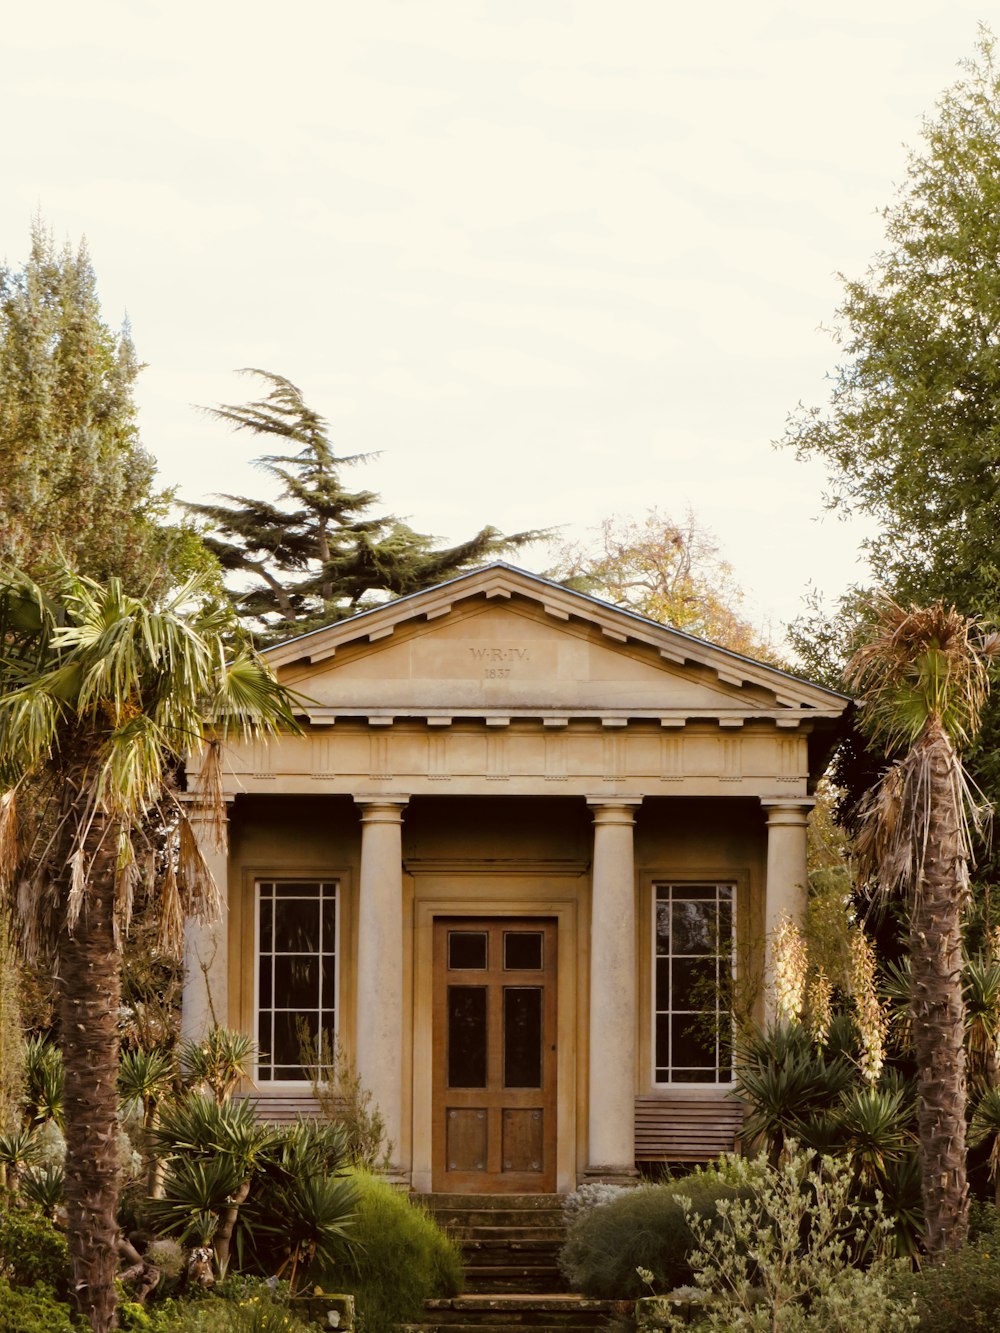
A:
{"x":671,"y":1129}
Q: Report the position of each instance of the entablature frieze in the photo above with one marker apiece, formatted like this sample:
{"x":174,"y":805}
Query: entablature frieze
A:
{"x":529,"y":758}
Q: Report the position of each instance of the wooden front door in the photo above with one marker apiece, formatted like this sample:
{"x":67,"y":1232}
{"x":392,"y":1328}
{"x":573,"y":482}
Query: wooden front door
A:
{"x":494,"y":1122}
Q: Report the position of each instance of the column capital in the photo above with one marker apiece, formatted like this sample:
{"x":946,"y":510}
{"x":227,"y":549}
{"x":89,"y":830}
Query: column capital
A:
{"x":788,"y":812}
{"x":382,"y":809}
{"x":613,"y":809}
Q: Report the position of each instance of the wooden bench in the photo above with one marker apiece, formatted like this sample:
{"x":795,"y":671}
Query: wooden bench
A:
{"x":679,"y":1129}
{"x":284,"y":1109}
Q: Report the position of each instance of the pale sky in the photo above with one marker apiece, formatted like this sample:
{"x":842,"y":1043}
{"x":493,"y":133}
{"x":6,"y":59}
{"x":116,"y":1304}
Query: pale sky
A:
{"x":554,"y":258}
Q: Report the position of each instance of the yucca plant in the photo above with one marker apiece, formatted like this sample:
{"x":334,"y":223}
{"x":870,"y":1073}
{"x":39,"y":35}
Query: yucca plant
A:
{"x":45,"y":1186}
{"x":218,"y":1061}
{"x":986,"y":1127}
{"x":44,"y":1080}
{"x":876,"y":1125}
{"x":144,"y":1079}
{"x":897,"y":993}
{"x":228,"y":1144}
{"x":981,"y":988}
{"x":789,"y":1085}
{"x":18,"y":1149}
{"x":302,"y":1207}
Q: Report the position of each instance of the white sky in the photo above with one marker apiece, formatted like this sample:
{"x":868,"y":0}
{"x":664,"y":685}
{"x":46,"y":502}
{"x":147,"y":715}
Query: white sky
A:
{"x":555,"y":258}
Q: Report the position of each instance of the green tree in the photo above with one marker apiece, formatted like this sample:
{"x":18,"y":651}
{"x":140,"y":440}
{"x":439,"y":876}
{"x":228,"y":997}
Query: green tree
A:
{"x":922,"y":680}
{"x":75,"y":478}
{"x":667,"y":571}
{"x":911,"y":434}
{"x":101,"y":697}
{"x":72,"y":469}
{"x":317,"y":553}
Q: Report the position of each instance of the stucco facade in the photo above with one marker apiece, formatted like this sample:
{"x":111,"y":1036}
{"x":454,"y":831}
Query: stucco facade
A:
{"x":525,"y":852}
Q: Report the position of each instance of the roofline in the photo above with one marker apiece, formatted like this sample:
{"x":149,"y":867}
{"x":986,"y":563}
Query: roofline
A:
{"x":575,"y":592}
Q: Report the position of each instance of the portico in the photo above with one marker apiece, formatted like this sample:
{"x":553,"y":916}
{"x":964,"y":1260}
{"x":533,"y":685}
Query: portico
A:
{"x":523,"y":852}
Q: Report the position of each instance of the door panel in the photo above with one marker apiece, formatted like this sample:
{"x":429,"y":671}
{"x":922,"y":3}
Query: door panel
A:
{"x":494,"y":1071}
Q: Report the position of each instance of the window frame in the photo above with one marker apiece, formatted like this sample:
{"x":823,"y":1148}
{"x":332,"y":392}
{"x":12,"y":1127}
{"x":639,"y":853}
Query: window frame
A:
{"x":325,"y":882}
{"x":659,"y":883}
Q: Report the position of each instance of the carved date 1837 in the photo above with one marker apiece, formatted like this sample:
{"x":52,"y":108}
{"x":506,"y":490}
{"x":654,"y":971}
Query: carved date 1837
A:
{"x":497,"y":662}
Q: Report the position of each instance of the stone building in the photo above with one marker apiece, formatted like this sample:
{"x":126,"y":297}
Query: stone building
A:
{"x":527,"y":851}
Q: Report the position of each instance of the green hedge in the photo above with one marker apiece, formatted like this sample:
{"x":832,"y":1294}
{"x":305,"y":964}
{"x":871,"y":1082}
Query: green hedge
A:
{"x":962,"y":1293}
{"x":32,"y":1310}
{"x":399,"y":1258}
{"x":31,"y":1249}
{"x":642,"y":1228}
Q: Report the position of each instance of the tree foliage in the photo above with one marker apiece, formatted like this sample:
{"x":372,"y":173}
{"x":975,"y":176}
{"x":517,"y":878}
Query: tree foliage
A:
{"x":73,"y":472}
{"x":665,"y":570}
{"x":911,"y":434}
{"x":318,"y":553}
{"x":75,"y":480}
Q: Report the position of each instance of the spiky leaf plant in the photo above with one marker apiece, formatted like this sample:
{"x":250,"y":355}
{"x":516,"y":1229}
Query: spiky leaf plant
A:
{"x":986,"y":1126}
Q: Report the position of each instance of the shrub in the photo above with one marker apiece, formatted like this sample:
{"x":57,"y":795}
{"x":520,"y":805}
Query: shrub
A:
{"x":961,"y":1294}
{"x":236,"y":1306}
{"x":32,"y":1310}
{"x":32,"y":1250}
{"x":400,"y":1258}
{"x":644,"y":1228}
{"x":787,"y":1258}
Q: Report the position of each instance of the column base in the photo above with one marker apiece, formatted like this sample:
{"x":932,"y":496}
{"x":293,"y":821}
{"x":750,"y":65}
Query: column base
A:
{"x":610,"y":1175}
{"x":397,"y":1178}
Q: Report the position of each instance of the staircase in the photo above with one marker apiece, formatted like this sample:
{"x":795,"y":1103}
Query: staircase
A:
{"x":510,"y":1245}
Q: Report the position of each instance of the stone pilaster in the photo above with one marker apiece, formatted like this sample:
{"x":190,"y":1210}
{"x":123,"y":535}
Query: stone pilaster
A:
{"x":378,"y":1043}
{"x":205,"y":997}
{"x":611,"y":1146}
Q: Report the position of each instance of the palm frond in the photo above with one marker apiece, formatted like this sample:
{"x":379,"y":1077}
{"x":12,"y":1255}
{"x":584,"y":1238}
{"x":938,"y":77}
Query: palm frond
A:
{"x":202,"y":896}
{"x":894,"y":817}
{"x":918,"y":663}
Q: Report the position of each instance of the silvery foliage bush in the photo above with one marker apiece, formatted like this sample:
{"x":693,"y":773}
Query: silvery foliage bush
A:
{"x":788,"y":1258}
{"x":589,"y":1196}
{"x":50,"y":1143}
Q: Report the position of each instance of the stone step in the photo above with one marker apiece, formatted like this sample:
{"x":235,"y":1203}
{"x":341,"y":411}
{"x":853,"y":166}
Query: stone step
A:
{"x":498,"y":1311}
{"x":575,"y":1327}
{"x":484,"y":1216}
{"x":536,"y":1202}
{"x":496,"y":1328}
{"x":552,"y":1237}
{"x":518,"y":1282}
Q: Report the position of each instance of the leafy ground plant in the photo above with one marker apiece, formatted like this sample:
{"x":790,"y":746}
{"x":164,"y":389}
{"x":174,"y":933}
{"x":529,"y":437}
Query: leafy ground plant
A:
{"x":400,"y":1258}
{"x":32,"y":1310}
{"x":787,"y":1257}
{"x":961,"y":1294}
{"x":647,"y":1228}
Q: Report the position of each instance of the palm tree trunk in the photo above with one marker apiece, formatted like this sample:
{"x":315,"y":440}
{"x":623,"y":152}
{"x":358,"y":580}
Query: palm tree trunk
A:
{"x":938,"y":1008}
{"x":90,"y":995}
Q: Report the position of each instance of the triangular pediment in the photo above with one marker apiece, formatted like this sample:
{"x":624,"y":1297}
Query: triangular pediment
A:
{"x":503,"y":642}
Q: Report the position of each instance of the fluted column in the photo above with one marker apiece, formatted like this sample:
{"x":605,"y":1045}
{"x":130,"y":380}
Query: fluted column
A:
{"x":611,"y":1149}
{"x":205,"y":995}
{"x":378,"y":1045}
{"x":786,"y":892}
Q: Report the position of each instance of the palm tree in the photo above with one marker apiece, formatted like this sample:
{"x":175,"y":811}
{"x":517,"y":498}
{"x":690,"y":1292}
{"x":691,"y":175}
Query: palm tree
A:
{"x":922,"y":679}
{"x":101,"y":697}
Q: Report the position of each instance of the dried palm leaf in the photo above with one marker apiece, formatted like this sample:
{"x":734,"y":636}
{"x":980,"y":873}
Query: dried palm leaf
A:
{"x":201,"y":893}
{"x":9,"y":840}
